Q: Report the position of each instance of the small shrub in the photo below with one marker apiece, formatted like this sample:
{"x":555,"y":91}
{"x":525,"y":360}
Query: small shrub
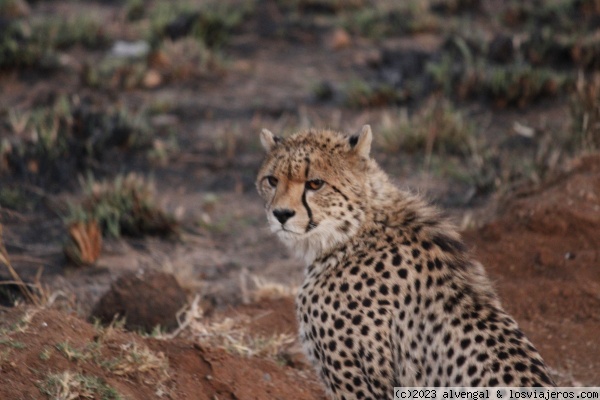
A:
{"x":49,"y":144}
{"x":63,"y":33}
{"x":359,"y":93}
{"x":123,"y":206}
{"x":435,"y":128}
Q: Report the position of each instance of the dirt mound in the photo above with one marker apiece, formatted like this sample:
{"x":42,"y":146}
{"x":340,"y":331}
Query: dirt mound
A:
{"x":48,"y":354}
{"x":146,"y":299}
{"x":543,"y":252}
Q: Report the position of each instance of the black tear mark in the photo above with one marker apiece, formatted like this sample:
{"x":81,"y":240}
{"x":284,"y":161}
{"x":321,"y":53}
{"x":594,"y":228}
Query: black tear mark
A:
{"x":311,"y":223}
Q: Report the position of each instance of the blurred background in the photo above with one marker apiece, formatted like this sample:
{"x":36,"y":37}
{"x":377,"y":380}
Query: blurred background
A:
{"x":129,"y":132}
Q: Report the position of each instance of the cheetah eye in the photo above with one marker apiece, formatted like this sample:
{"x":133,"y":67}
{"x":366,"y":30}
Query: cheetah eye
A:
{"x":272,"y":180}
{"x":314,"y":184}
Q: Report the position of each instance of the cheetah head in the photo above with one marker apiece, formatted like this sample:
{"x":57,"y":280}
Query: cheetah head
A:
{"x":314,"y":187}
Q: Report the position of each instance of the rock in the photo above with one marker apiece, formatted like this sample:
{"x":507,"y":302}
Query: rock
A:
{"x":152,"y":79}
{"x":123,"y":49}
{"x":144,"y":299}
{"x":340,"y":39}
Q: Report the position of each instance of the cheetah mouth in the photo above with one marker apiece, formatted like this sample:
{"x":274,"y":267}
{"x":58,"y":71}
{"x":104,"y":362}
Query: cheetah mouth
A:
{"x":283,"y":230}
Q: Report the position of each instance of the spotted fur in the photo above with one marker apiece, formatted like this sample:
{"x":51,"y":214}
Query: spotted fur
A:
{"x":390,"y":297}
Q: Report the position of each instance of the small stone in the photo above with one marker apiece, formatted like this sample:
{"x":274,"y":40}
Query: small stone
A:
{"x":152,"y":79}
{"x":339,"y":39}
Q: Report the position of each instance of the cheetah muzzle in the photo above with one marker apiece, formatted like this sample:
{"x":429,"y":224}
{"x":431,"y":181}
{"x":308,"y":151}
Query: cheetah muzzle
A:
{"x":390,"y":297}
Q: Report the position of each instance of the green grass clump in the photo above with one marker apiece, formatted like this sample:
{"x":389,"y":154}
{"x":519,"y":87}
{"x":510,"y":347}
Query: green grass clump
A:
{"x":70,"y":134}
{"x":123,"y":206}
{"x":62,"y":33}
{"x":359,"y":93}
{"x":468,"y":76}
{"x":381,"y":22}
{"x":437,"y":128}
{"x":212,"y":23}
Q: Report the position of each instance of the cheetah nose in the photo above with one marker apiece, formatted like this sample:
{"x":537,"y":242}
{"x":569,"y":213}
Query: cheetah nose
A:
{"x":283,"y":215}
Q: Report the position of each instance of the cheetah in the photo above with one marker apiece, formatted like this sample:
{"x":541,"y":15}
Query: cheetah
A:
{"x":390,"y":297}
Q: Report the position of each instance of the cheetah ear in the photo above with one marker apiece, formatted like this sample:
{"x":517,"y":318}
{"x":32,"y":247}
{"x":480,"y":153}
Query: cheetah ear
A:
{"x":268,"y":140}
{"x":361,"y":143}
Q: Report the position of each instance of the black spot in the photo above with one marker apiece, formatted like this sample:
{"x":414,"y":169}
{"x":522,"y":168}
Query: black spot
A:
{"x":366,"y":303}
{"x":370,"y":282}
{"x":353,"y":305}
{"x":396,"y":289}
{"x":354,"y":270}
{"x":364,"y":330}
{"x":349,"y":343}
{"x":332,"y":345}
{"x":507,"y":378}
{"x":358,"y":286}
{"x":357,"y":319}
{"x":353,"y":140}
{"x":402,"y":273}
{"x":460,"y":360}
{"x":344,"y":287}
{"x":447,"y":338}
{"x":520,"y":367}
{"x":416,"y":253}
{"x":396,"y":260}
{"x":383,"y":289}
{"x":338,"y":324}
{"x":471,"y":371}
{"x":379,"y":266}
{"x":465,"y":343}
{"x":426,"y":245}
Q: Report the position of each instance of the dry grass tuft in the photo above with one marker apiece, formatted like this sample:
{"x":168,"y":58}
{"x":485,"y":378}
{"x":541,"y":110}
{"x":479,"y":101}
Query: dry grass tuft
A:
{"x":85,"y":243}
{"x":229,"y":334}
{"x":137,"y":360}
{"x":68,"y":385}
